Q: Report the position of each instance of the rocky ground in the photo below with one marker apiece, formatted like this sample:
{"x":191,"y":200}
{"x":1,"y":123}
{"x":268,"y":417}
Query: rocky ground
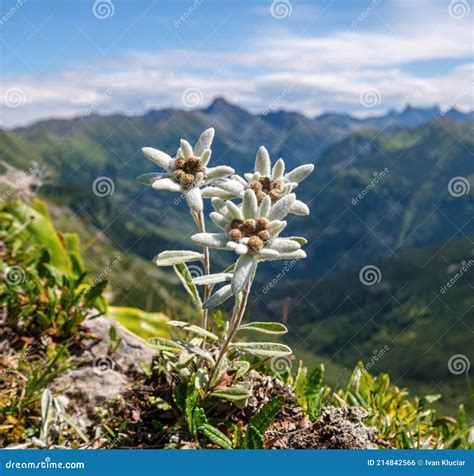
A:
{"x":105,"y":387}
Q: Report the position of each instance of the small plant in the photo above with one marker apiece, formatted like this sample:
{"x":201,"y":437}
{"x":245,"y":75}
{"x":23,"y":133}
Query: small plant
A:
{"x":250,"y":213}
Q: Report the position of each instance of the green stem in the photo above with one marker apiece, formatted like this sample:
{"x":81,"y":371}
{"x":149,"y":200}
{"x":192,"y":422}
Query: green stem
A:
{"x":236,"y":319}
{"x":207,"y":266}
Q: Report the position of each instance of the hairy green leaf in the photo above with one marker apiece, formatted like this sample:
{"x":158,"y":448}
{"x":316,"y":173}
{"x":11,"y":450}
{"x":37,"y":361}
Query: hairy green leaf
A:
{"x":215,"y":436}
{"x":266,"y":414}
{"x":265,"y":327}
{"x":187,"y":281}
{"x":194,"y":329}
{"x":253,"y":439}
{"x":268,"y":349}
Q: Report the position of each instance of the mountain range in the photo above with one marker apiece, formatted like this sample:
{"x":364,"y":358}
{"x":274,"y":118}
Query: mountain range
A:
{"x":384,"y":187}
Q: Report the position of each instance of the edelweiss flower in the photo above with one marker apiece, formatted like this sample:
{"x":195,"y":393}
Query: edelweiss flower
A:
{"x":187,"y":172}
{"x":266,"y":181}
{"x":252,"y":230}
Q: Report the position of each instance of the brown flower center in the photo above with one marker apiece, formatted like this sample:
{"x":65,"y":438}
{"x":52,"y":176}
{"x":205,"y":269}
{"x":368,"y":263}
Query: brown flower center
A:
{"x":255,"y":230}
{"x":266,"y":186}
{"x":185,"y":171}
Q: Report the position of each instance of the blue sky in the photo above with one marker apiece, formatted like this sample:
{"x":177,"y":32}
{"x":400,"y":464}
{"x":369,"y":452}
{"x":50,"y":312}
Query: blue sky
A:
{"x":65,"y":58}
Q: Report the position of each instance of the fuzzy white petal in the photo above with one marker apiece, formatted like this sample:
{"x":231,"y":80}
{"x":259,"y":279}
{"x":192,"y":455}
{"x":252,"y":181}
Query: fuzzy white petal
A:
{"x":262,"y":161}
{"x":239,"y":179}
{"x":234,"y":210}
{"x":205,"y":157}
{"x":241,"y":249}
{"x":204,"y":142}
{"x":194,"y":199}
{"x":278,"y":169}
{"x":276,"y":226}
{"x":267,"y":252}
{"x":265,"y":206}
{"x":243,"y":270}
{"x":299,"y":208}
{"x":212,"y":192}
{"x":294,"y":255}
{"x":282,"y":207}
{"x":218,"y":219}
{"x":160,"y":158}
{"x":166,"y":184}
{"x":212,"y":240}
{"x":231,"y":186}
{"x":186,"y":149}
{"x":249,"y":205}
{"x":148,"y":179}
{"x":218,"y":172}
{"x":284,"y":245}
{"x":300,"y":173}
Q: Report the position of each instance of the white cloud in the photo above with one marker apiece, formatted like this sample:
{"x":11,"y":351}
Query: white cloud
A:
{"x":328,"y":72}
